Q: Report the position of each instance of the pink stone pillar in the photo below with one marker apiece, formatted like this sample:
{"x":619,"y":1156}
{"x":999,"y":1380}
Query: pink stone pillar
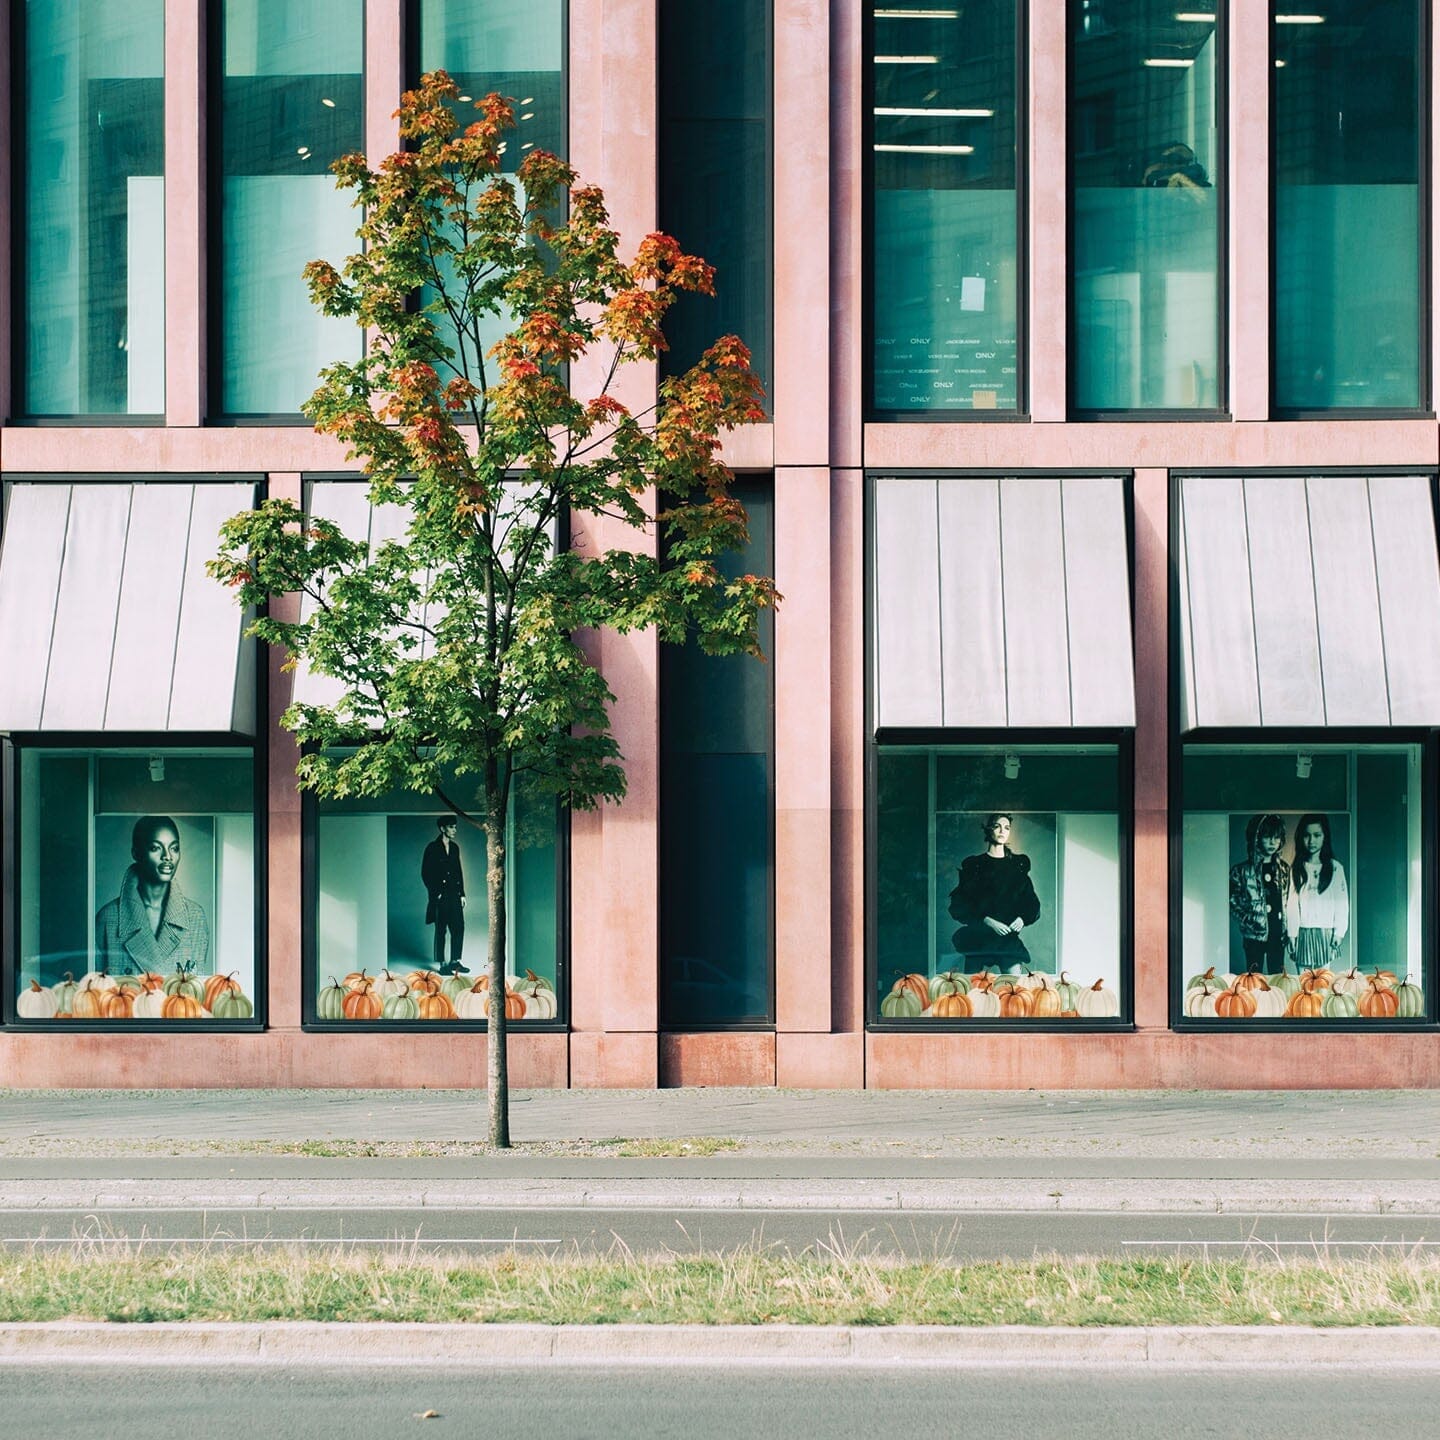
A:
{"x":1152,"y":749}
{"x":384,"y":76}
{"x":614,"y":862}
{"x":1249,"y":181}
{"x":1049,"y":300}
{"x":800,"y":397}
{"x":283,"y":854}
{"x":847,"y":358}
{"x":185,"y":211}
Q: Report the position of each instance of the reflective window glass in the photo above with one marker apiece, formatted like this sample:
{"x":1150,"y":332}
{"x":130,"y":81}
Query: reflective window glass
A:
{"x":1145,"y":205}
{"x":1345,"y":104}
{"x":92,"y":244}
{"x":291,"y":101}
{"x":1302,"y":895}
{"x":136,"y":885}
{"x":944,"y":248}
{"x":997,"y":883}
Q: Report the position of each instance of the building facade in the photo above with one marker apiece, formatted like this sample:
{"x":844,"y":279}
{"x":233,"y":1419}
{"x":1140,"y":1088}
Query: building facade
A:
{"x":1097,"y":742}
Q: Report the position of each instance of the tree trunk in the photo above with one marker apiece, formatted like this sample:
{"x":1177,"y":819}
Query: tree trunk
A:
{"x":497,"y":1070}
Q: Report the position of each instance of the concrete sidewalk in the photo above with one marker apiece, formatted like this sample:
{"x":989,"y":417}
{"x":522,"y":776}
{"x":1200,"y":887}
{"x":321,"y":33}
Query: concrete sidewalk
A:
{"x":1213,"y":1153}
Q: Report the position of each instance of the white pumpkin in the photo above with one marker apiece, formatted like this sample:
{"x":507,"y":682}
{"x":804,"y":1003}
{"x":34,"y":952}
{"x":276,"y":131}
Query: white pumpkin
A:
{"x":984,"y":1005}
{"x":1029,"y":980}
{"x":1097,"y":1003}
{"x":540,"y":1001}
{"x":97,"y":980}
{"x":386,"y":985}
{"x":1199,"y":1002}
{"x":1352,"y":982}
{"x":151,"y":1005}
{"x":472,"y":1005}
{"x":1270,"y":1003}
{"x":36,"y":1003}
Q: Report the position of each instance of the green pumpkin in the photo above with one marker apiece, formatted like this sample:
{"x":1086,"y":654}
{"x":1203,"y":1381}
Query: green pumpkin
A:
{"x":1340,"y":1007}
{"x":1412,"y":1001}
{"x":1288,"y":985}
{"x":948,"y":982}
{"x":1068,"y":992}
{"x":331,"y":1003}
{"x":400,"y":1007}
{"x":539,"y":980}
{"x":1208,"y":978}
{"x":182,"y":982}
{"x":455,"y":985}
{"x":901,"y":1004}
{"x":64,"y":993}
{"x":232,"y":1005}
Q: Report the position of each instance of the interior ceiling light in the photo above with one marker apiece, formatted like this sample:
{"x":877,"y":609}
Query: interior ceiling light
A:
{"x":327,"y":102}
{"x":927,"y":149}
{"x":1299,"y":19}
{"x":528,"y":100}
{"x":937,"y":113}
{"x":888,"y":14}
{"x":1161,"y":63}
{"x":907,"y":59}
{"x":1196,"y":17}
{"x":1279,"y":64}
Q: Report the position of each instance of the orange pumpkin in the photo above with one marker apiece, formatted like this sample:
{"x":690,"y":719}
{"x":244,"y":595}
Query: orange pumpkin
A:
{"x":983,"y":981}
{"x":1235,"y":1004}
{"x":1386,"y":979}
{"x":218,"y":985}
{"x":952,"y":1007}
{"x":423,"y":982}
{"x":88,"y":1004}
{"x":917,"y":985}
{"x":1044,"y":1001}
{"x":436,"y":1007}
{"x":1379,"y":1002}
{"x":182,"y":1007}
{"x":1015,"y":1004}
{"x":150,"y":981}
{"x":1307,"y":1002}
{"x":357,"y":980}
{"x":362,"y":1004}
{"x":1250,"y":980}
{"x":1321,"y":979}
{"x":119,"y":1003}
{"x":514,"y":1004}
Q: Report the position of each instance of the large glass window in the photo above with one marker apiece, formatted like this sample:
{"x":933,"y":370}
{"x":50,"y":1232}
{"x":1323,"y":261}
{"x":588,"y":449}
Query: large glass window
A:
{"x":1302,"y":883}
{"x":1346,"y":122}
{"x":401,"y":930}
{"x":715,"y":170}
{"x":291,"y":101}
{"x":136,"y":885}
{"x":998,"y":883}
{"x":1144,"y":157}
{"x":945,"y":244}
{"x":92,"y":241}
{"x":716,"y":807}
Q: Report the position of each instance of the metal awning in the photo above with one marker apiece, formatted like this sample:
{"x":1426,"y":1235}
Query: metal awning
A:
{"x":1001,"y":603}
{"x":1308,"y":602}
{"x":108,"y":621}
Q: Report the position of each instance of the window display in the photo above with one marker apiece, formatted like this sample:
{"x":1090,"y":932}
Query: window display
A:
{"x":136,"y":885}
{"x":1302,"y":895}
{"x":401,"y":917}
{"x":1009,"y":912}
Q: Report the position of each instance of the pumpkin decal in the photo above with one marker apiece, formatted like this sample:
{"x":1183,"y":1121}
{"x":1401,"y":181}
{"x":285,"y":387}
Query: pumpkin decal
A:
{"x":436,"y":1007}
{"x":1379,"y":1002}
{"x":539,"y":997}
{"x":361,"y":1004}
{"x":454,"y":985}
{"x":1235,"y":1004}
{"x":183,"y":983}
{"x":215,"y":987}
{"x":1097,"y":1003}
{"x":64,"y":993}
{"x":358,"y":980}
{"x":1015,"y":1003}
{"x":89,"y":1001}
{"x":984,"y":980}
{"x":387,"y":985}
{"x":400,"y":1006}
{"x":1198,"y":982}
{"x":948,"y":982}
{"x":1045,"y":1000}
{"x":474,"y":1002}
{"x":1307,"y":1002}
{"x":1068,"y":992}
{"x":901,"y":1003}
{"x":954,"y":1006}
{"x":119,"y":1003}
{"x":1352,"y":982}
{"x":1270,"y":1002}
{"x":36,"y":1003}
{"x":1286,"y":983}
{"x":1200,"y":1002}
{"x":1250,"y":980}
{"x":984,"y":1004}
{"x":423,"y":982}
{"x":1319,"y":979}
{"x":330,"y":1004}
{"x":918,"y":985}
{"x":1340,"y":1005}
{"x":1410,"y":1002}
{"x":232,"y":1004}
{"x":182,"y":1006}
{"x":151,"y":1004}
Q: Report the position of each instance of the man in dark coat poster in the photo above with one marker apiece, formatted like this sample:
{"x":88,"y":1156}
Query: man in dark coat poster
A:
{"x":444,"y":879}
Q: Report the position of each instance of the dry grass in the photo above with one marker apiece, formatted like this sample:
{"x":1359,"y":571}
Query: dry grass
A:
{"x":840,"y":1285}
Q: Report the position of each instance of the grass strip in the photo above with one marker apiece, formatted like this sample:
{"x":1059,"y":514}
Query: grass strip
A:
{"x":836,"y":1287}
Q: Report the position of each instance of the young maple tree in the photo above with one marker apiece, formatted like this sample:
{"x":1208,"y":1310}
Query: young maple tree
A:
{"x":455,"y":643}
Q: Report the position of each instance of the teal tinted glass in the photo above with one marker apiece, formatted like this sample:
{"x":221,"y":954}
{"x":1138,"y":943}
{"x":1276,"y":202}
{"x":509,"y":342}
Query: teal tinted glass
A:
{"x":716,"y":847}
{"x":1145,"y":201}
{"x":93,"y":239}
{"x":944,"y":251}
{"x":1345,"y":100}
{"x":715,"y":171}
{"x":291,"y":101}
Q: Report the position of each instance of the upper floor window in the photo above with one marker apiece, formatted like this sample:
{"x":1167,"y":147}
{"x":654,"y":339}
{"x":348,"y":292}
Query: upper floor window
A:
{"x":944,"y":243}
{"x":1145,"y":206}
{"x":91,"y":231}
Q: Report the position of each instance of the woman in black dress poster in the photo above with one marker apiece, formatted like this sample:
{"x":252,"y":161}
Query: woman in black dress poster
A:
{"x":994,"y":901}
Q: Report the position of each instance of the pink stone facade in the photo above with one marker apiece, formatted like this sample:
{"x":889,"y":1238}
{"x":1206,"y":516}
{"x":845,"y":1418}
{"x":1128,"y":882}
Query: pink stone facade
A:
{"x":818,"y":448}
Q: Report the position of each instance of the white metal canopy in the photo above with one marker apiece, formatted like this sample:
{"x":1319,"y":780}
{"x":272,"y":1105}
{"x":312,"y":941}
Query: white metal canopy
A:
{"x":108,"y":621}
{"x":1308,"y":602}
{"x":1001,"y":603}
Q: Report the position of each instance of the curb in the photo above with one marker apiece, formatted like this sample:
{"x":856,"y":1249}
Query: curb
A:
{"x":1057,"y":1195}
{"x":306,"y":1343}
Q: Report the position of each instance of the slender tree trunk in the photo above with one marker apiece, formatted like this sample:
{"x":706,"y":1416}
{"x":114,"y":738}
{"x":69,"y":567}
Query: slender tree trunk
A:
{"x":497,"y":1068}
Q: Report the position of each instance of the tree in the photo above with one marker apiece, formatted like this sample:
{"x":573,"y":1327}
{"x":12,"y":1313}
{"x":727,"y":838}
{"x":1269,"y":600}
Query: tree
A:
{"x":457,"y":644}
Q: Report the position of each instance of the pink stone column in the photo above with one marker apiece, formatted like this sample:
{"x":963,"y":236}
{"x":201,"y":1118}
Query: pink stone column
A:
{"x":1249,"y":181}
{"x":185,"y":213}
{"x":1048,"y":254}
{"x":283,"y":855}
{"x":1152,"y":749}
{"x":847,"y":358}
{"x":800,"y":397}
{"x":614,"y":861}
{"x":384,"y":76}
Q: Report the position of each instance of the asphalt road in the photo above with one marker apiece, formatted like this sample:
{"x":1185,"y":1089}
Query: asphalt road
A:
{"x":351,"y":1402}
{"x":916,"y":1234}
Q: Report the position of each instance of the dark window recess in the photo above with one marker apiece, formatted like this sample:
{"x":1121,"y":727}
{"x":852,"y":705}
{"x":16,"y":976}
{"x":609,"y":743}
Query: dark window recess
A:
{"x":716,"y":828}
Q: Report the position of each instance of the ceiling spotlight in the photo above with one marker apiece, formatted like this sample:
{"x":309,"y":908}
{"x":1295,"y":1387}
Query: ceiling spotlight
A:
{"x":327,"y":102}
{"x":157,"y":768}
{"x":1012,"y":766}
{"x":1303,"y":764}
